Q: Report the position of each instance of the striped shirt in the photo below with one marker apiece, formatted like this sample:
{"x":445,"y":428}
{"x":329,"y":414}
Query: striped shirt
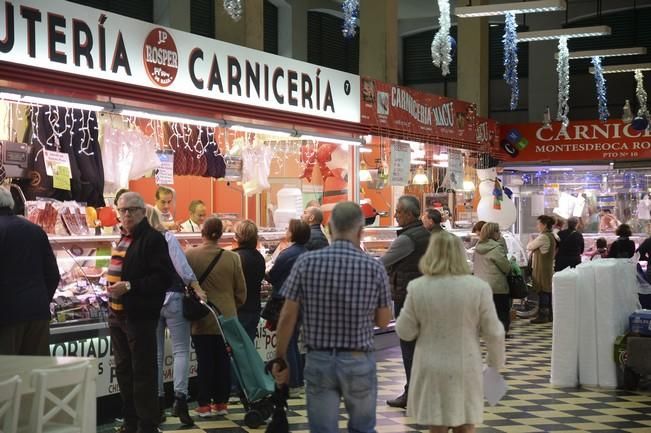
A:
{"x":339,"y":288}
{"x":114,"y":274}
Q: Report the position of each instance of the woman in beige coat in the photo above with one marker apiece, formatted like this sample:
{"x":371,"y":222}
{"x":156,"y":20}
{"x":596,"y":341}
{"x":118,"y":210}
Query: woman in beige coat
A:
{"x":491,"y":265}
{"x":226,"y":288}
{"x":446,"y":311}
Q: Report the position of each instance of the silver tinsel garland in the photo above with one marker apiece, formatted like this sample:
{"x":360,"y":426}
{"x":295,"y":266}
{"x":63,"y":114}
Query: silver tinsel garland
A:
{"x":643,"y":111}
{"x":234,"y":9}
{"x":441,"y":44}
{"x":510,"y":41}
{"x":351,"y":18}
{"x":600,"y":82}
{"x":563,"y":69}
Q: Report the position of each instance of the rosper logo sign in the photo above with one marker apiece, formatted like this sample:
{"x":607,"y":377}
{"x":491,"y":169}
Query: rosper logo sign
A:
{"x":61,"y":36}
{"x":161,"y":57}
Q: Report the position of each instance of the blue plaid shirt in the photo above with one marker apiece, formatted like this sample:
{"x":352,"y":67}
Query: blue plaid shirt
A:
{"x":339,"y":288}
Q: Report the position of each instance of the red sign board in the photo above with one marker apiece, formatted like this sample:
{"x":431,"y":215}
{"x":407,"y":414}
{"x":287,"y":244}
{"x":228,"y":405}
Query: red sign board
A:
{"x":397,"y":108}
{"x":582,"y":141}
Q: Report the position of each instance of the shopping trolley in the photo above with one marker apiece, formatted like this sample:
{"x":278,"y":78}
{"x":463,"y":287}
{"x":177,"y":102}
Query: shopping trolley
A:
{"x":256,"y":385}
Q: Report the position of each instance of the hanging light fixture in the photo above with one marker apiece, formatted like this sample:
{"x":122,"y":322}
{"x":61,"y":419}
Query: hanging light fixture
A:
{"x":615,"y":52}
{"x":420,"y":178}
{"x":569,"y":33}
{"x":547,"y":118}
{"x":515,"y":7}
{"x":627,"y":113}
{"x":364,"y":174}
{"x":615,"y":69}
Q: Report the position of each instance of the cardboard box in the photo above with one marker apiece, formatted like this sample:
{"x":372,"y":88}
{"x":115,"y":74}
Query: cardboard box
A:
{"x":640,"y":322}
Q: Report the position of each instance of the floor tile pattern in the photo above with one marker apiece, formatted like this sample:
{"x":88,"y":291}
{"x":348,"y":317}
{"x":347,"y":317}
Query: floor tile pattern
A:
{"x":531,"y":404}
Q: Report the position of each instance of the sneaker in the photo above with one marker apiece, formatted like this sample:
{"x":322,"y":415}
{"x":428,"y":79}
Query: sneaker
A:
{"x":296,"y":392}
{"x":203,"y":411}
{"x":219,"y":409}
{"x":124,"y":428}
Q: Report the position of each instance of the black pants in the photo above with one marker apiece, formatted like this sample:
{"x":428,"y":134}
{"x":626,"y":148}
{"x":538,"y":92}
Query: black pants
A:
{"x":406,"y":347}
{"x":134,"y":351}
{"x":213,"y":369}
{"x":503,"y":307}
{"x":25,"y":338}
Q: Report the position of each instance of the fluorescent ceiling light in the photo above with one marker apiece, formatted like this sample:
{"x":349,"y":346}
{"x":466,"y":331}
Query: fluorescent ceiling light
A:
{"x":468,"y":185}
{"x":576,"y":32}
{"x":169,"y":118}
{"x":443,"y":164}
{"x":38,"y":100}
{"x":256,"y":130}
{"x":333,"y":139}
{"x":420,"y":178}
{"x":614,"y":69}
{"x":365,"y":149}
{"x":616,"y":52}
{"x":516,"y":7}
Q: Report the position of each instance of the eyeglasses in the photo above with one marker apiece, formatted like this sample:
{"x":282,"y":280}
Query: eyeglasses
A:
{"x":131,"y":210}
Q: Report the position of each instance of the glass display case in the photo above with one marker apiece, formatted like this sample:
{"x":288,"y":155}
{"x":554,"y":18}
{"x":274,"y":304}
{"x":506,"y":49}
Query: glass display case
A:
{"x":80,"y":302}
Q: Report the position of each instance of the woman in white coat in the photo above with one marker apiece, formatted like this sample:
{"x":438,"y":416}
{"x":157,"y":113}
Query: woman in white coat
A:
{"x":443,"y":312}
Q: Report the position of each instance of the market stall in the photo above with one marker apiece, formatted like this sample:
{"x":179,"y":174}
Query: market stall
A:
{"x":597,"y":171}
{"x":435,"y":148}
{"x":91,"y":102}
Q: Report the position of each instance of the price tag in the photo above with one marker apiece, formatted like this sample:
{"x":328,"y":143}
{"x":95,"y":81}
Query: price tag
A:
{"x":61,"y":178}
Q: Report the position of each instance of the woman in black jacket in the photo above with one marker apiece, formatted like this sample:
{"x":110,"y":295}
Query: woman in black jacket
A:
{"x":253,"y":266}
{"x":623,"y":247}
{"x":570,"y":246}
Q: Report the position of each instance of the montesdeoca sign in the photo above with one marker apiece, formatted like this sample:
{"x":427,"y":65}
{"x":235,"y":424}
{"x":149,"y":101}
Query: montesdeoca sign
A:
{"x":581,"y":141}
{"x":63,"y":36}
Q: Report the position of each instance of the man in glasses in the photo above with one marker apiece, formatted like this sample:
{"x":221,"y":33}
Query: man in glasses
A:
{"x":139,"y":273}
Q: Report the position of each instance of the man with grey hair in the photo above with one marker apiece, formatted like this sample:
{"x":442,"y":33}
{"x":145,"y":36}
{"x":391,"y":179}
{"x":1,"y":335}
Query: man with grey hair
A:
{"x":401,"y":262}
{"x":28,"y":278}
{"x":341,"y":293}
{"x":139,"y":273}
{"x":313,"y":216}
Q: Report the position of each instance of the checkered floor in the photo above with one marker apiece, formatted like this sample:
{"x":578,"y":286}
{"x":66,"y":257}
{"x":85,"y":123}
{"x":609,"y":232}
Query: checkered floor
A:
{"x":531,"y":404}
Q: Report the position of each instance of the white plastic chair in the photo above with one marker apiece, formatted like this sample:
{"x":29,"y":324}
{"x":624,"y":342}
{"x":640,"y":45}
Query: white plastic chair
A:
{"x":9,"y":404}
{"x":59,"y":399}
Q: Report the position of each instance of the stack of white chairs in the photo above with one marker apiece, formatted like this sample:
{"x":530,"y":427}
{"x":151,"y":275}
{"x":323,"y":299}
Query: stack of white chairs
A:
{"x":9,"y":404}
{"x":59,"y":399}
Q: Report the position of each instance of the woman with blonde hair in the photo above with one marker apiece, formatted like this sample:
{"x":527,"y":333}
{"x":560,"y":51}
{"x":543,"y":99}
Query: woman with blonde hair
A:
{"x":171,"y":316}
{"x":443,"y":311}
{"x":491,"y":265}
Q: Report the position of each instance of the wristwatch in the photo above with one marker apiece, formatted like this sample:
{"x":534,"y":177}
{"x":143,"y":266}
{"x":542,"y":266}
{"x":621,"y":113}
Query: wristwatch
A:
{"x":127,"y":285}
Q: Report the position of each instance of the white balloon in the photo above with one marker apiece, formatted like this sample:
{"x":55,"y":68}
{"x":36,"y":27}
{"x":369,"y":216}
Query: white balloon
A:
{"x":505,"y":216}
{"x":486,"y":188}
{"x":338,"y":159}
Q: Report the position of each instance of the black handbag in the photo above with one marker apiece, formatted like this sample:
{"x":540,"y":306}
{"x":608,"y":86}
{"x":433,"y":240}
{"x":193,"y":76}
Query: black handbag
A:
{"x":193,"y":309}
{"x":517,"y":286}
{"x":271,"y":310}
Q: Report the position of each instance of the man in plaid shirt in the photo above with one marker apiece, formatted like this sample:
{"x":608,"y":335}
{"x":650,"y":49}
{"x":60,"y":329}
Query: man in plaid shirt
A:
{"x":340,"y":293}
